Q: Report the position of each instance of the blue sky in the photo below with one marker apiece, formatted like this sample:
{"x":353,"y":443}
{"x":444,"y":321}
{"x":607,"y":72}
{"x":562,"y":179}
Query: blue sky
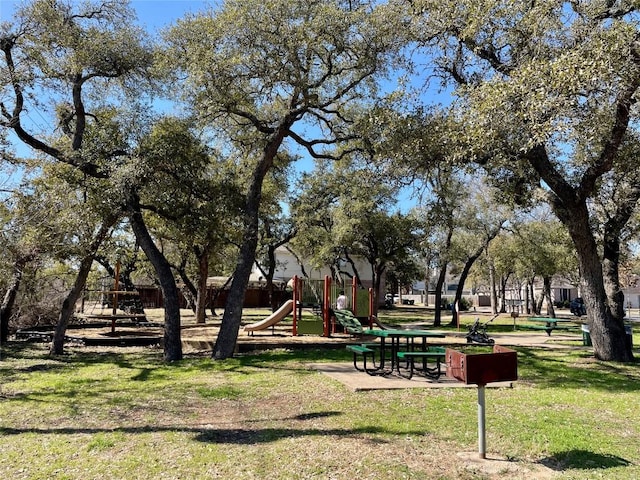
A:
{"x":156,"y":14}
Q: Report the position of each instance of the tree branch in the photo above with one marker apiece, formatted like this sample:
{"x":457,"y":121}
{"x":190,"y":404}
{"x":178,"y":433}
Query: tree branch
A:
{"x":624,"y":103}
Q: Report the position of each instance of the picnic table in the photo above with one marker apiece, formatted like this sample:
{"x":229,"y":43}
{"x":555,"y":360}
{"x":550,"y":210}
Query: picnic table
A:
{"x":391,"y":343}
{"x":551,"y":324}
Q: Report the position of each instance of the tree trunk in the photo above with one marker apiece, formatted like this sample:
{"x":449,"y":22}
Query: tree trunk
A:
{"x":230,"y":326}
{"x":228,"y":335}
{"x":531,"y":305}
{"x":189,"y":290}
{"x":606,"y":329}
{"x":203,"y":274}
{"x":6,"y":310}
{"x":69,"y":303}
{"x":7,"y":306}
{"x":216,"y":295}
{"x":607,"y":332}
{"x":463,"y":277}
{"x":613,"y":230}
{"x":354,"y":267}
{"x":570,"y":206}
{"x":437,"y":320}
{"x":458,"y":296}
{"x":551,"y":311}
{"x":494,"y":290}
{"x":377,"y":282}
{"x":189,"y":295}
{"x":271,"y":271}
{"x":610,"y":266}
{"x":172,"y":339}
{"x":503,"y":293}
{"x":427,"y":278}
{"x":538,"y":304}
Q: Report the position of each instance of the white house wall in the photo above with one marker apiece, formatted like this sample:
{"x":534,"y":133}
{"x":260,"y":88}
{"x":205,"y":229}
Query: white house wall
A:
{"x":288,"y":267}
{"x":632,"y":299}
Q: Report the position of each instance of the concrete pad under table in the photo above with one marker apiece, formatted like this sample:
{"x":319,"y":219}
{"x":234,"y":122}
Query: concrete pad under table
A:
{"x":360,"y":381}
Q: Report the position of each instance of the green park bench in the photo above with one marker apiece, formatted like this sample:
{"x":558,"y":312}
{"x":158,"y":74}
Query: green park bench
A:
{"x":551,"y":324}
{"x":364,"y":352}
{"x":436,"y":354}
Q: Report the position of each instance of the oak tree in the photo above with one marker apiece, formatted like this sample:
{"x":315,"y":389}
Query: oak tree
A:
{"x":268,"y":75}
{"x":546,"y":98}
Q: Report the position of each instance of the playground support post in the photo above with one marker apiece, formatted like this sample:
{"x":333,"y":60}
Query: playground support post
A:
{"x":371,"y":310}
{"x":354,"y":295}
{"x":326,"y":298}
{"x":116,"y":287}
{"x":296,"y":301}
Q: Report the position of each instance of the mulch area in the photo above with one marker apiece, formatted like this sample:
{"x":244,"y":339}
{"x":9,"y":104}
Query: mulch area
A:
{"x":202,"y":337}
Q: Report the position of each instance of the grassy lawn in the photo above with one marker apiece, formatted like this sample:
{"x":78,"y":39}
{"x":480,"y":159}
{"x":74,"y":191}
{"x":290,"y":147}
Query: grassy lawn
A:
{"x":124,"y":414}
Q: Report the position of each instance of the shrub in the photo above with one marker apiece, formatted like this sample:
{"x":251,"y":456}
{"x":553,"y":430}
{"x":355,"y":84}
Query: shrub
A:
{"x":464,"y":305}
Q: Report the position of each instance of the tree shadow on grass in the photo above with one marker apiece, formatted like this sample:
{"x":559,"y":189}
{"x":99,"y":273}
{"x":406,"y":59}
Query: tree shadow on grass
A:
{"x":248,"y":433}
{"x":236,"y":436}
{"x":316,"y":415}
{"x":239,"y":436}
{"x":583,"y":459}
{"x":26,"y":357}
{"x":576,"y":370}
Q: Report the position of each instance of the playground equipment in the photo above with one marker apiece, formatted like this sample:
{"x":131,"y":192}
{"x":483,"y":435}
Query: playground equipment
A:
{"x":130,"y":306}
{"x":273,"y":319}
{"x":320,"y":296}
{"x":348,"y":321}
{"x":124,"y":308}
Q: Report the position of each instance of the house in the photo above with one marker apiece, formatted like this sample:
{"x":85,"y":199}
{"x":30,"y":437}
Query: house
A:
{"x":562,"y":292}
{"x":289,"y":266}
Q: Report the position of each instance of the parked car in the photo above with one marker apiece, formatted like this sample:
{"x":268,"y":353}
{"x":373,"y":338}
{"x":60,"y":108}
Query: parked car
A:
{"x":390,"y":299}
{"x":577,"y":307}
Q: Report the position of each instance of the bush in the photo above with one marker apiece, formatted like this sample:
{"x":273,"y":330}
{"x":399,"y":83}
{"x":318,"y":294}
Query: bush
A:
{"x":465,"y":304}
{"x":39,"y":301}
{"x":446,"y":303}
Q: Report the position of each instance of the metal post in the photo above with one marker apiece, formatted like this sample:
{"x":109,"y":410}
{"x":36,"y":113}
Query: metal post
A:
{"x":372,"y":311}
{"x":297,"y":301}
{"x":116,"y":287}
{"x":482,"y":444}
{"x":326,"y":298}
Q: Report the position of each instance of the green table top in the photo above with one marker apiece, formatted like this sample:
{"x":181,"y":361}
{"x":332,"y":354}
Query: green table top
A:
{"x":403,"y":333}
{"x":550,"y":320}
